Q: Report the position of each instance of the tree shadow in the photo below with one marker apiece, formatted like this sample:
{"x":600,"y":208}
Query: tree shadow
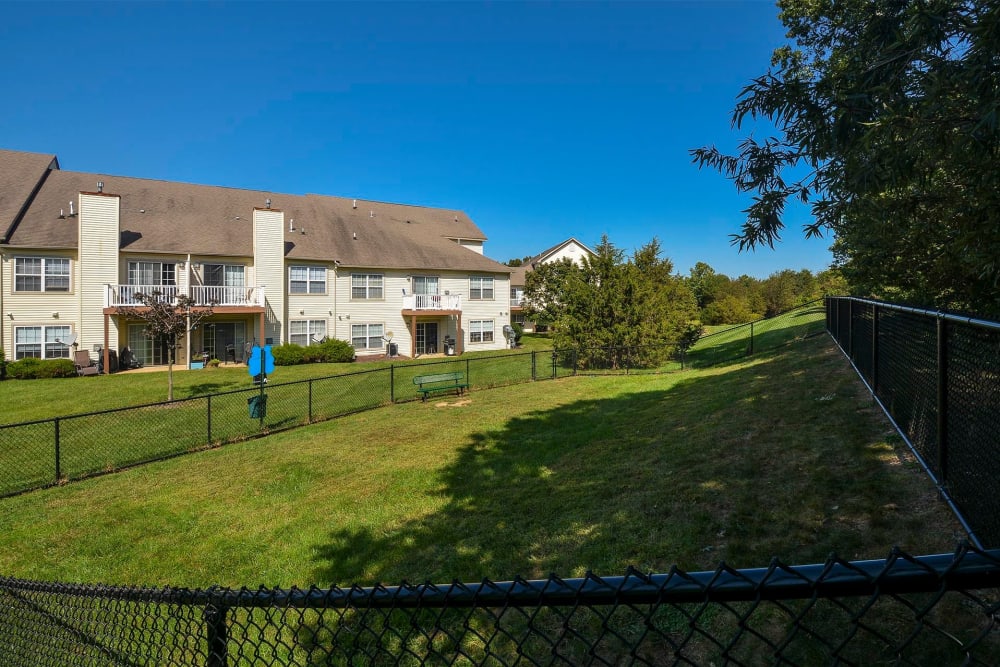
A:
{"x":740,"y":466}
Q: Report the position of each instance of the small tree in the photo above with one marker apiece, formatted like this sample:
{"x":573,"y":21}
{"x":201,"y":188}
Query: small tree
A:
{"x":169,"y":319}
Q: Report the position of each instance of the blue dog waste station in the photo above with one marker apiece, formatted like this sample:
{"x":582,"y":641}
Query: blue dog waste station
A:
{"x":260,"y":363}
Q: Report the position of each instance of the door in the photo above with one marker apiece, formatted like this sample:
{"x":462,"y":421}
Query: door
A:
{"x":427,"y":337}
{"x":225,"y":340}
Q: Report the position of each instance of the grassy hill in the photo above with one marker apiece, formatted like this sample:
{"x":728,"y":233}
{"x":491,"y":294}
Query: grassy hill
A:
{"x":782,"y":454}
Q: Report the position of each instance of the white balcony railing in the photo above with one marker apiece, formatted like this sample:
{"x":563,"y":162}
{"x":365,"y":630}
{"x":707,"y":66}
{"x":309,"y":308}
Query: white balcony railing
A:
{"x":227,"y":296}
{"x":517,"y":302}
{"x":432,"y":302}
{"x":124,"y":295}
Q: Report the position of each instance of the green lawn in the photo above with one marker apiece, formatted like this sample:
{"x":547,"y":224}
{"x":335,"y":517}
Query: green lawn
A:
{"x":780,"y":455}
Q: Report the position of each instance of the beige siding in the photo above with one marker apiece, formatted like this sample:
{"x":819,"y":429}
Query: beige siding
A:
{"x":312,"y":306}
{"x":22,"y":309}
{"x":269,"y":252}
{"x":496,"y":309}
{"x":475,"y":246}
{"x":387,"y":311}
{"x":98,"y":251}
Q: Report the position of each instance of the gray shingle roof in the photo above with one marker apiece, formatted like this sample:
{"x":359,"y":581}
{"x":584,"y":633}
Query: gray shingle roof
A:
{"x":20,"y":174}
{"x":169,"y":217}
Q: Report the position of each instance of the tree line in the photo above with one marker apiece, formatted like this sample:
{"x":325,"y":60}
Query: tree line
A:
{"x":618,"y":300}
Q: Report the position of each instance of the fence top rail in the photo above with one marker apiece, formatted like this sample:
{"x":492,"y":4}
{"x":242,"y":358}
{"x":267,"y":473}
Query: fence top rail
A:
{"x":974,"y":321}
{"x":968,"y":568}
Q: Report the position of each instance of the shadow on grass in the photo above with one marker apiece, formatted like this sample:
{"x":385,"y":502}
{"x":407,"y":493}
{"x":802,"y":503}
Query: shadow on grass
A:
{"x":741,"y":465}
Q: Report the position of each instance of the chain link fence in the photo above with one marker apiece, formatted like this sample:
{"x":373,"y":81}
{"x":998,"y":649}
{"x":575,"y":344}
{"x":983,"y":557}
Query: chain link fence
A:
{"x":938,"y":378}
{"x":43,"y":453}
{"x":768,"y":333}
{"x":930,"y":610}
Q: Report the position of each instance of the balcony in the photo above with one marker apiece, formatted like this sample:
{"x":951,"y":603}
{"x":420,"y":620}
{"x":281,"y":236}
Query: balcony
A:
{"x":517,"y":302}
{"x":117,"y":296}
{"x":432,"y":302}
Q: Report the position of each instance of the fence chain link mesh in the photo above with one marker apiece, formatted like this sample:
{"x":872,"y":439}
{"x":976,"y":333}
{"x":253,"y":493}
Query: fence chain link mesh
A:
{"x":903,"y":610}
{"x":937,"y":377}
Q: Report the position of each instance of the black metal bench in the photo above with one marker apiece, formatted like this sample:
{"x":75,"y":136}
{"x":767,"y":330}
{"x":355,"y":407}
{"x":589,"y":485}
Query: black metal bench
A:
{"x":440,"y":382}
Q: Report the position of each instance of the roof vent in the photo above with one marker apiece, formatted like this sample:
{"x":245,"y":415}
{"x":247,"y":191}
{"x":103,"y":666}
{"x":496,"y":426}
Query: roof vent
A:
{"x":354,"y":204}
{"x":456,"y":218}
{"x":268,"y":202}
{"x":371,"y":214}
{"x":355,"y":236}
{"x":291,"y":225}
{"x":100,"y":186}
{"x":71,"y":213}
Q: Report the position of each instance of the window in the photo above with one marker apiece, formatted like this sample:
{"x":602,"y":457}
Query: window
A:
{"x":41,"y":342}
{"x":224,"y":275}
{"x":481,"y":288}
{"x":41,"y":274}
{"x":307,"y":280}
{"x":516,"y":296}
{"x":366,"y":286}
{"x":152,"y":273}
{"x":517,"y":318}
{"x":306,"y":332}
{"x":480,"y":331}
{"x":148,"y":351}
{"x":366,"y":336}
{"x":425,"y":285}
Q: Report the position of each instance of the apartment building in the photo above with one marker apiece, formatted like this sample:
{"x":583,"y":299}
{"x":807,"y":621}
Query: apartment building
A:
{"x":77,"y":247}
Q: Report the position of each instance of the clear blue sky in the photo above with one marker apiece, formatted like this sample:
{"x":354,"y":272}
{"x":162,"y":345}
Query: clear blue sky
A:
{"x":542,"y":121}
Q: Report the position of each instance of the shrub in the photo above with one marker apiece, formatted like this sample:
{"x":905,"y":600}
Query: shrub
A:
{"x":214,"y":363}
{"x":337,"y":351}
{"x":518,"y":332}
{"x":30,"y":368}
{"x":288,"y":354}
{"x":312,"y":354}
{"x":3,"y":364}
{"x":25,"y":369}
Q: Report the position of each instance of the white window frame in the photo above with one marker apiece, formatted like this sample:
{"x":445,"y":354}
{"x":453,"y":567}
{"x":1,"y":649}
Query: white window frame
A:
{"x":306,"y":332}
{"x":479,"y":333}
{"x":313,"y":282}
{"x":371,"y":292}
{"x":233,"y":275}
{"x":47,"y":279}
{"x":424,"y":280}
{"x":369,"y":335}
{"x":477,"y":284}
{"x":46,"y":343}
{"x":166,"y":273}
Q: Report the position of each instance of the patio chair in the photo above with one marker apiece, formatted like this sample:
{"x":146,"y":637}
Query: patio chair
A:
{"x":84,"y":364}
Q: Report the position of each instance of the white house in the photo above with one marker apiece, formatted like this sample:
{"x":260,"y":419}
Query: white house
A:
{"x":77,"y":247}
{"x":570,"y":249}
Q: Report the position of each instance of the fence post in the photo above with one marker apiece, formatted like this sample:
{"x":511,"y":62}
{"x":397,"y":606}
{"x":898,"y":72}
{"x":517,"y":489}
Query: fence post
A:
{"x":208,"y":419}
{"x":751,"y":338}
{"x":850,"y":329}
{"x":533,"y":365}
{"x":576,"y":362}
{"x":392,"y":383}
{"x":875,"y":349}
{"x":942,"y":399}
{"x":468,"y":377}
{"x":217,"y":635}
{"x":58,"y":468}
{"x":310,"y":401}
